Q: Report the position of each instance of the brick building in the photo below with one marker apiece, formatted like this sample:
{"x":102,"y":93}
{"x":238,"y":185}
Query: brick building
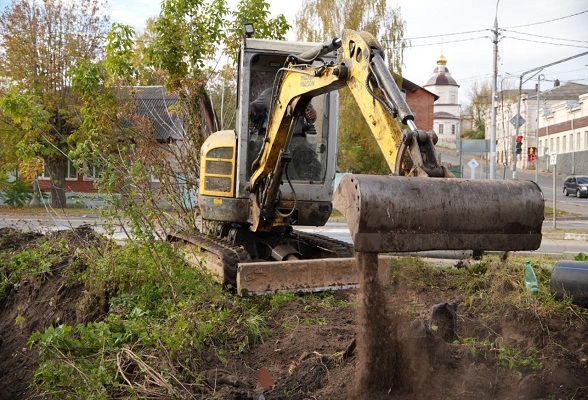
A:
{"x":422,"y":103}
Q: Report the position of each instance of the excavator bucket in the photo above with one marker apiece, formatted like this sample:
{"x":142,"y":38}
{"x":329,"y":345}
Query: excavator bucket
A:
{"x":406,"y":214}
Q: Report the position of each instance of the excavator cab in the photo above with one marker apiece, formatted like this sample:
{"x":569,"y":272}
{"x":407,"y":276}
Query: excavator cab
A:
{"x":306,"y":189}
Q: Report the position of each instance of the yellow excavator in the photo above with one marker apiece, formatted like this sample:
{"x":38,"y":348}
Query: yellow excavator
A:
{"x":271,"y":174}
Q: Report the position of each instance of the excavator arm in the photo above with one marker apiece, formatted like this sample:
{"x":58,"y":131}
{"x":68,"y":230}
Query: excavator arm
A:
{"x":406,"y":211}
{"x":361,"y":67}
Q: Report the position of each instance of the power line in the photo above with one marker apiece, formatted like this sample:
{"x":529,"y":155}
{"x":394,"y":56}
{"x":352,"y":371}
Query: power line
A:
{"x":445,"y":42}
{"x":545,"y":22}
{"x":538,"y":41}
{"x":447,"y":34}
{"x":548,"y":37}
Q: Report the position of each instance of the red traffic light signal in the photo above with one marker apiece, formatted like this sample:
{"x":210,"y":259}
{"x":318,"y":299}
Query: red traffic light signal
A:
{"x":519,"y":145}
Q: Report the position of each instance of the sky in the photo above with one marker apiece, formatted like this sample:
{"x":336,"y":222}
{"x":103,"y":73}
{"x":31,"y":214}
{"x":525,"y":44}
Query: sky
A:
{"x":533,"y":33}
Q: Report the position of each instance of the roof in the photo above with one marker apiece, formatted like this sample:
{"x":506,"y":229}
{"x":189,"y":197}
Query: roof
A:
{"x":442,"y":76}
{"x":444,"y":115}
{"x":154,"y":102}
{"x":410,"y":86}
{"x":567,"y":91}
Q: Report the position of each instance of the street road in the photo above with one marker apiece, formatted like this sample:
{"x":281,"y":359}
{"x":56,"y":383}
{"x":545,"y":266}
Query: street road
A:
{"x":339,"y":231}
{"x":49,"y":223}
{"x":336,"y":230}
{"x":570,"y":204}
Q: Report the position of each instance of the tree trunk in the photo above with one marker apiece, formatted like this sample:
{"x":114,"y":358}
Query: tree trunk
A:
{"x":57,"y":167}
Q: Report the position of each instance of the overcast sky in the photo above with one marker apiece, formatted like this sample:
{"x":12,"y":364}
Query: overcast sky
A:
{"x":533,"y":33}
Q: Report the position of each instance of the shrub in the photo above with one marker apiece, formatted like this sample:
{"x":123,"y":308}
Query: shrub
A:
{"x":17,"y":194}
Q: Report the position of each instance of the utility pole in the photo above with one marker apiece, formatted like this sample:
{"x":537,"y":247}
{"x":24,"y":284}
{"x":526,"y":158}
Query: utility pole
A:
{"x":541,"y":76}
{"x":494,"y":98}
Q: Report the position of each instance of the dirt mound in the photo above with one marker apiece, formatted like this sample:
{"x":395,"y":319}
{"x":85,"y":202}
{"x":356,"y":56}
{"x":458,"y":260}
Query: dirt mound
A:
{"x":38,"y":300}
{"x":535,"y":358}
{"x":406,"y":343}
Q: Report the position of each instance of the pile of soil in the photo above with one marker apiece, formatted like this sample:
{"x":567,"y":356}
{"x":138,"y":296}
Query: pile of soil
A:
{"x":333,"y":352}
{"x":35,"y":303}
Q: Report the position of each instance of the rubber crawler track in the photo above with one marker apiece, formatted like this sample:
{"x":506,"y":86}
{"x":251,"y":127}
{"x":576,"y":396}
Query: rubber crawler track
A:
{"x":228,"y":255}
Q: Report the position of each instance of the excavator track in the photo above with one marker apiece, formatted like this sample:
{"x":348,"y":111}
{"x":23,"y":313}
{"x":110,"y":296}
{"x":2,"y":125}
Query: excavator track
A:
{"x":340,"y":248}
{"x":220,"y":257}
{"x":225,"y":260}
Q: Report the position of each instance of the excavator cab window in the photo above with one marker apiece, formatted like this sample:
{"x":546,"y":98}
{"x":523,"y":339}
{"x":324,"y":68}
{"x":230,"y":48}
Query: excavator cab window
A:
{"x":308,"y":145}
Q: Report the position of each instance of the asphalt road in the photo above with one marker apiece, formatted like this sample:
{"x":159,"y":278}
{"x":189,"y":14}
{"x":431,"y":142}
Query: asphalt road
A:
{"x":551,"y":243}
{"x":337,"y":230}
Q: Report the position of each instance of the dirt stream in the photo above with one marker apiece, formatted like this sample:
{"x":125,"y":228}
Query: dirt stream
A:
{"x":380,"y":346}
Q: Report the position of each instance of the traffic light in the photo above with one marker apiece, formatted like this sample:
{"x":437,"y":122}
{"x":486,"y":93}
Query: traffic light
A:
{"x":531,"y":153}
{"x":519,"y":145}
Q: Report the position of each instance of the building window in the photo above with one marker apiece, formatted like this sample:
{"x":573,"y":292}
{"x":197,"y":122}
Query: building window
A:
{"x":72,"y":172}
{"x":440,"y":129}
{"x":586,"y":140}
{"x":563,"y":144}
{"x":44,"y":174}
{"x":90,"y":172}
{"x":453,"y":129}
{"x":578,"y":144}
{"x":553,"y":149}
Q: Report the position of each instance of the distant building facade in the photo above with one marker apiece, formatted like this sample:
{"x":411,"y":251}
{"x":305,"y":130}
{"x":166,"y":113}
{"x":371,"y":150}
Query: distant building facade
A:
{"x":562,"y":126}
{"x":422,"y":104}
{"x":447,"y":110}
{"x":153,"y":103}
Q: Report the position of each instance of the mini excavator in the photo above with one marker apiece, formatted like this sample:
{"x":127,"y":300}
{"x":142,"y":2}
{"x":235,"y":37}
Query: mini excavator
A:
{"x":262,"y":180}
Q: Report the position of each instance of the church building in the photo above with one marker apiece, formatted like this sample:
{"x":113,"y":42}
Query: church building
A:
{"x":446,"y":120}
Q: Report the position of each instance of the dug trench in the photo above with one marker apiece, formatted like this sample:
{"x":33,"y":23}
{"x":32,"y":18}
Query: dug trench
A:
{"x":382,"y":341}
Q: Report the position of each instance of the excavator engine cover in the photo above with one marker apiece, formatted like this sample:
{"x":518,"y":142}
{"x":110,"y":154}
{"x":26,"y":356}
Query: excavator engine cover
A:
{"x":405,"y":214}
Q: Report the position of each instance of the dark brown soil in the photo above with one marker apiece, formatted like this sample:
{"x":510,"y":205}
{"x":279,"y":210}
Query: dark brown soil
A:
{"x":36,"y":303}
{"x":385,"y":350}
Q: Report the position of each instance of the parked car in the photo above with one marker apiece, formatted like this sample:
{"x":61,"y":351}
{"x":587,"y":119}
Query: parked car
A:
{"x":577,"y":185}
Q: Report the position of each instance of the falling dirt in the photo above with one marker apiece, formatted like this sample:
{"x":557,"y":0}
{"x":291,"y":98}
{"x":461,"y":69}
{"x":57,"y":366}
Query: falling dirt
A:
{"x":377,"y":340}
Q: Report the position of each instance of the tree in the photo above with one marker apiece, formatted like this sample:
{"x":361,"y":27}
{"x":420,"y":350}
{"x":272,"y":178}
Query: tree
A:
{"x":42,"y":41}
{"x":256,"y":12}
{"x":477,"y":110}
{"x":179,"y":49}
{"x":320,"y":20}
{"x":9,"y":139}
